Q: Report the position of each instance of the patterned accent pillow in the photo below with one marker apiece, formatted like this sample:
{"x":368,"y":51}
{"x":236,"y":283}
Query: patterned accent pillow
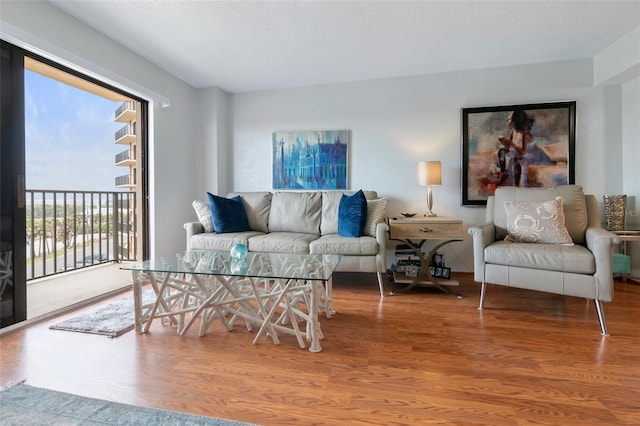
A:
{"x":204,"y":215}
{"x":541,"y":222}
{"x":376,"y":210}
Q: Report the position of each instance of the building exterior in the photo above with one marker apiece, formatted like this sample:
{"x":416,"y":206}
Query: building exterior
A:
{"x":127,"y":113}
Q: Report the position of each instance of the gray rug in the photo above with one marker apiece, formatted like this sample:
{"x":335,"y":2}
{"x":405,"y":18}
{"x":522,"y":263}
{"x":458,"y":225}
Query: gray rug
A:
{"x":27,"y":405}
{"x":110,"y":320}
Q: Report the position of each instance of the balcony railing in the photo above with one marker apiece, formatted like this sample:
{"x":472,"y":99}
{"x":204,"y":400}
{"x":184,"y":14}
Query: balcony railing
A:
{"x":125,"y":155}
{"x":124,"y":131}
{"x":126,"y":106}
{"x":125,"y":180}
{"x":69,"y":230}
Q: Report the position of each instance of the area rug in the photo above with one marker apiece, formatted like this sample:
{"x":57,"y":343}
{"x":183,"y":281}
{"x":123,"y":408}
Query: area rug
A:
{"x":110,"y":320}
{"x":27,"y":405}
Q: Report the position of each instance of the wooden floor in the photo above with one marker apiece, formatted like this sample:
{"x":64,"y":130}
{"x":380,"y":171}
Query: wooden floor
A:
{"x":417,"y":358}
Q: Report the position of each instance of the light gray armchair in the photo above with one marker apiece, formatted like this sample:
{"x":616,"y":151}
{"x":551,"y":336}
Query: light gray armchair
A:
{"x":583,"y":269}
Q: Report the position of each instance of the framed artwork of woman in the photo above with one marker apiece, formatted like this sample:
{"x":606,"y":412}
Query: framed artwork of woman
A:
{"x":531,"y":145}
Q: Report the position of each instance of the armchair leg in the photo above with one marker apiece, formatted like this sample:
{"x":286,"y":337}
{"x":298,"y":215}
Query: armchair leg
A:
{"x":482,"y":294}
{"x":603,"y":324}
{"x":380,"y":284}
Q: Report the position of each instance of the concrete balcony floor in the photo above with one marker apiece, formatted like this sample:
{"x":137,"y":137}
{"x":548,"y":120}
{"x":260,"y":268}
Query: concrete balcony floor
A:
{"x":56,"y":294}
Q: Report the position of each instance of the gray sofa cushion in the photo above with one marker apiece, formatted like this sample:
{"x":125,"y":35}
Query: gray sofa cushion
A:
{"x":282,"y":242}
{"x":550,"y":257}
{"x":574,"y":207}
{"x":257,"y":206}
{"x":295,"y":212}
{"x":221,"y":242}
{"x":335,"y":244}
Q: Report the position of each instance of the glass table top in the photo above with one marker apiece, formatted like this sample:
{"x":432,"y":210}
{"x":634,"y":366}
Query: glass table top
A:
{"x":256,"y":265}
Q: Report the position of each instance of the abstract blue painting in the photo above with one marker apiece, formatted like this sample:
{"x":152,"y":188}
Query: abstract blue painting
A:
{"x":310,"y":159}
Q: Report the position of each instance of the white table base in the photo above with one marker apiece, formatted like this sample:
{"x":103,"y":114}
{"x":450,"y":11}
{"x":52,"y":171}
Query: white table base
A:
{"x":274,"y":306}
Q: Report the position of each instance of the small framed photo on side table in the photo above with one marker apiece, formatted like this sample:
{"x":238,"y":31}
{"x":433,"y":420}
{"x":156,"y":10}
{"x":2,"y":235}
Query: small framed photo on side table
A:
{"x":446,"y":273}
{"x":411,"y":271}
{"x":437,"y":260}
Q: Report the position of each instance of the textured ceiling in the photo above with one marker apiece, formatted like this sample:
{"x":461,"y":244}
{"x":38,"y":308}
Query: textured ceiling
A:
{"x":255,"y":45}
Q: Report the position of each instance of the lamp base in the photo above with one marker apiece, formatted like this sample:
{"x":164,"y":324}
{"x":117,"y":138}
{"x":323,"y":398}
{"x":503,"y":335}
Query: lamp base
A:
{"x":430,"y":202}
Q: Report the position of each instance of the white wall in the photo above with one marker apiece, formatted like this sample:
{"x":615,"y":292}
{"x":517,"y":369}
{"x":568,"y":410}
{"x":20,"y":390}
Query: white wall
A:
{"x":44,"y":29}
{"x":213,"y":158}
{"x":631,"y":148}
{"x":618,"y":67}
{"x":397,"y":122}
{"x":631,"y":162}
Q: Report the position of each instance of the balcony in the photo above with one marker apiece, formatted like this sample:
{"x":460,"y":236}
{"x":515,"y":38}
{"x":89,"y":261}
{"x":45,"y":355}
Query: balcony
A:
{"x":70,"y":230}
{"x":76,"y":242}
{"x":126,"y":112}
{"x":126,"y":158}
{"x":55,"y":294}
{"x":126,"y":135}
{"x":126,"y":181}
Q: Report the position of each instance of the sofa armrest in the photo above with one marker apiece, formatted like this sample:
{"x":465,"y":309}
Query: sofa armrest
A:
{"x":382,"y":230}
{"x":600,"y":243}
{"x":482,"y":236}
{"x":192,"y":228}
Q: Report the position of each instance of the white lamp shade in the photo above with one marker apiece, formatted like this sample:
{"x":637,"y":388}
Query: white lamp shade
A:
{"x":429,"y":173}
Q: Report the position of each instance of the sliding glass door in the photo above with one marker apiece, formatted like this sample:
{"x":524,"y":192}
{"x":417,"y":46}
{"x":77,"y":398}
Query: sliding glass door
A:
{"x":130,"y":230}
{"x":13,"y":289}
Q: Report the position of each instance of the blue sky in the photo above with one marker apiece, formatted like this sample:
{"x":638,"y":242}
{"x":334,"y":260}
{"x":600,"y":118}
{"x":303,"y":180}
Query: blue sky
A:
{"x":69,"y":137}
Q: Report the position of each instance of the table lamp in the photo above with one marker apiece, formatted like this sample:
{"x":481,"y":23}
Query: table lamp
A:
{"x":429,"y":173}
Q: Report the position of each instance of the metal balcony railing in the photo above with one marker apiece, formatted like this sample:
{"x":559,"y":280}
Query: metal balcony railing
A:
{"x":124,"y":131}
{"x":68,"y":230}
{"x":125,"y":155}
{"x":125,"y":180}
{"x":127,"y":105}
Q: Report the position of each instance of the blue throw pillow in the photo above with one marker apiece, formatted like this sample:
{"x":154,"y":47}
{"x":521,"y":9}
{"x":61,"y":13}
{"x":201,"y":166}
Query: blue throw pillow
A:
{"x":228,"y":214}
{"x":352,"y":215}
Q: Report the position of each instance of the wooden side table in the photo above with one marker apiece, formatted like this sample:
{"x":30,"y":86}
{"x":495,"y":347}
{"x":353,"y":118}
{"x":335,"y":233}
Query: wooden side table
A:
{"x":415,"y":232}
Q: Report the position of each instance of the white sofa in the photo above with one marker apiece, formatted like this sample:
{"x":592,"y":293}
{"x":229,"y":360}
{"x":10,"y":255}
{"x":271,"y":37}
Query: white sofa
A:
{"x":302,"y":222}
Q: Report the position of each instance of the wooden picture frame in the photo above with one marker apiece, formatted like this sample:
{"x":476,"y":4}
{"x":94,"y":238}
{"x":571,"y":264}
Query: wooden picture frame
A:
{"x":529,"y":145}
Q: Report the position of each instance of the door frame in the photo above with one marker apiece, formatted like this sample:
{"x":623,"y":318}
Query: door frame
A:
{"x":12,"y":129}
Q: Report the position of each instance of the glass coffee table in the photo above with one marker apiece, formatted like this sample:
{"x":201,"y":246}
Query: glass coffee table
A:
{"x":275,"y":293}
